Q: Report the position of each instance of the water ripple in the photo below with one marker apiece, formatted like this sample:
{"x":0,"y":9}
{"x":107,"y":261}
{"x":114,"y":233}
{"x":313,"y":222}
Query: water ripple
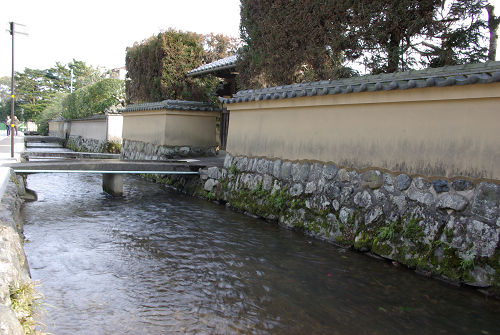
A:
{"x":157,"y":262}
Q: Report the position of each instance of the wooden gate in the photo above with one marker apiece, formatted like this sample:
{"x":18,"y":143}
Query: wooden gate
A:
{"x":224,"y":126}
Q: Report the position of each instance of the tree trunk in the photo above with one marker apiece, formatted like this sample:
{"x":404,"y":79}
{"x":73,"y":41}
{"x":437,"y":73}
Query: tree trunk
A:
{"x":393,"y":53}
{"x":493,"y":22}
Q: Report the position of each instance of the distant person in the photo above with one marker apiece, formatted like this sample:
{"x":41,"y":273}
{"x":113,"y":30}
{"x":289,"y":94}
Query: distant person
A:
{"x":7,"y":123}
{"x":16,"y":123}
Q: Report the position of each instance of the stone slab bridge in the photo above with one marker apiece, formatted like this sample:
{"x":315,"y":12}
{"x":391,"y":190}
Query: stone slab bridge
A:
{"x":113,"y":170}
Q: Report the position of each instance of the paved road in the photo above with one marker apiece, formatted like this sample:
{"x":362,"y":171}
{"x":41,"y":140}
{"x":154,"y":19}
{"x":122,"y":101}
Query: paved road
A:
{"x":6,"y":159}
{"x":5,"y":154}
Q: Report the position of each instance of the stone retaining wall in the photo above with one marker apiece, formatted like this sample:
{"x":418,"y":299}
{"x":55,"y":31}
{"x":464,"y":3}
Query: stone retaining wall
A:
{"x":14,"y":270}
{"x":78,"y":143}
{"x":443,"y":228}
{"x":138,"y":150}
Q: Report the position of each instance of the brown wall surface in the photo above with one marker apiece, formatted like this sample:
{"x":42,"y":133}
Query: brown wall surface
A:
{"x":171,"y":128}
{"x":448,"y":131}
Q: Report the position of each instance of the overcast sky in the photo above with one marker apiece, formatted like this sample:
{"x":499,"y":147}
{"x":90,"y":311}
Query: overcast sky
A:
{"x":97,"y":32}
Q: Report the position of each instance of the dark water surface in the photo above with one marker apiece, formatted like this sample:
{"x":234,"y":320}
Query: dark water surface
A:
{"x":158,"y":262}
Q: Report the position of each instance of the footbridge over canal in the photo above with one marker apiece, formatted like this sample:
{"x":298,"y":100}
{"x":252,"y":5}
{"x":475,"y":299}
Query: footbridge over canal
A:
{"x":114,"y":169}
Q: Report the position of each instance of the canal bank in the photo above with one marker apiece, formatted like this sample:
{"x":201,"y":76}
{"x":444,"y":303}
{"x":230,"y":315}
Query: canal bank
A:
{"x":16,"y":286}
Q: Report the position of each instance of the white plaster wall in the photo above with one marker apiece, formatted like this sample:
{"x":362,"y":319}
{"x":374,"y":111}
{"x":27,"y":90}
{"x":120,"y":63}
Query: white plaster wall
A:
{"x":94,"y":129}
{"x":58,"y":128}
{"x":115,"y":128}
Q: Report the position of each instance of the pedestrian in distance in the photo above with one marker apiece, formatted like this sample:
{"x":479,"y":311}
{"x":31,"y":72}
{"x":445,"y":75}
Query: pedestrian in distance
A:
{"x":15,"y":123}
{"x":7,"y":124}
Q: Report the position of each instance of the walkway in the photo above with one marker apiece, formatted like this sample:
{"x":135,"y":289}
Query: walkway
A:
{"x":5,"y":148}
{"x":5,"y":158}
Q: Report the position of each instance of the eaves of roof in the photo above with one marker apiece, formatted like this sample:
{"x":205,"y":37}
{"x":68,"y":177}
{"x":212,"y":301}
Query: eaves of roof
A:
{"x":171,"y":105}
{"x":218,"y":65}
{"x":479,"y":73}
{"x":91,"y":117}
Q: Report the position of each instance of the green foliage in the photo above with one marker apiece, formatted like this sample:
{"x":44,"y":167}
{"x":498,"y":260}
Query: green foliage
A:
{"x":4,"y":89}
{"x":34,"y":92}
{"x":459,"y":34}
{"x":51,"y":112}
{"x":35,"y":89}
{"x":157,"y":67}
{"x":233,"y":170}
{"x":83,"y":75}
{"x":287,"y":42}
{"x":412,"y":230}
{"x":24,"y":299}
{"x":112,"y":147}
{"x":390,"y":29}
{"x":84,"y":102}
{"x":467,"y":260}
{"x":93,"y":99}
{"x":387,"y":233}
{"x":218,"y":46}
{"x":293,"y":41}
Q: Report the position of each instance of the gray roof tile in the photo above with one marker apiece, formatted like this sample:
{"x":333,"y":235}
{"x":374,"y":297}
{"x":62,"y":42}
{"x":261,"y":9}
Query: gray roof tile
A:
{"x":482,"y":73}
{"x":172,"y":105}
{"x":221,"y":64}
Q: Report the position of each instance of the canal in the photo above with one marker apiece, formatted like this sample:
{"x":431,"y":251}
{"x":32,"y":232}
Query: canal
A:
{"x":159,"y":262}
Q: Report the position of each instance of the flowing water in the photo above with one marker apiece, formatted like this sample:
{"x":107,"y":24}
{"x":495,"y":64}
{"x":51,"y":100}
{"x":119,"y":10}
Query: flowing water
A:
{"x":158,"y":262}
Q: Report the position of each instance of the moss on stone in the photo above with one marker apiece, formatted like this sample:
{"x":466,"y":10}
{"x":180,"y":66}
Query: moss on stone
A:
{"x":449,"y":265}
{"x":363,"y":241}
{"x":112,"y":147}
{"x":387,"y":233}
{"x":340,"y":239}
{"x":380,"y":248}
{"x":448,"y":233}
{"x":411,"y":229}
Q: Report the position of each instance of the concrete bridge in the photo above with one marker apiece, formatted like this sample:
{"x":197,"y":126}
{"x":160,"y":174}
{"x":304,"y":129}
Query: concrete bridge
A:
{"x":114,"y":169}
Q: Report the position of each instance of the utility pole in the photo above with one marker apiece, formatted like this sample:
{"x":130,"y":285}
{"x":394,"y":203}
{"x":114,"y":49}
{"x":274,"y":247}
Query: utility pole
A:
{"x":12,"y":95}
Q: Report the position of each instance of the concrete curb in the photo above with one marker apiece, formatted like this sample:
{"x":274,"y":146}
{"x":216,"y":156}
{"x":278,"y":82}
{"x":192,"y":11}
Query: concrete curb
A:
{"x":4,"y":179}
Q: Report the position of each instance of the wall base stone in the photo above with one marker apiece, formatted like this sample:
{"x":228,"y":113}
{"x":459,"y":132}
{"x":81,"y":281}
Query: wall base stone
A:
{"x":78,"y":143}
{"x":81,"y":144}
{"x":137,"y":150}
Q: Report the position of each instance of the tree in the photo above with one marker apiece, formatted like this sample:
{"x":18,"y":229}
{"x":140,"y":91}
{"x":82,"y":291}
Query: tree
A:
{"x":218,"y":46}
{"x":493,"y":22}
{"x":157,"y":67}
{"x":458,"y":36}
{"x":93,"y":99}
{"x":287,"y":41}
{"x":390,"y":28}
{"x":35,"y":89}
{"x":83,"y":75}
{"x":51,"y":112}
{"x":4,"y":89}
{"x":4,"y":97}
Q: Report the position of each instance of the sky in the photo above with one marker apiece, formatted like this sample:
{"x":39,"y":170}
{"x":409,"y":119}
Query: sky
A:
{"x":98,"y":32}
